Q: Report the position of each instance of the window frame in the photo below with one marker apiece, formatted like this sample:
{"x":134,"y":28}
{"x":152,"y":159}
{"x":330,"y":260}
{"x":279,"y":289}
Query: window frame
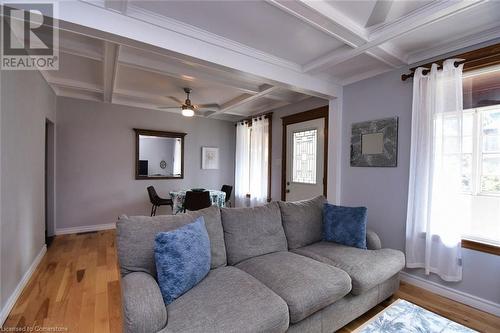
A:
{"x":468,"y":241}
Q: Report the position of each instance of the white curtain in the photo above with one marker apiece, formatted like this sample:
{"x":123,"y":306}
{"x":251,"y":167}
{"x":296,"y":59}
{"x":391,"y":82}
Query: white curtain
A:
{"x":434,"y":218}
{"x":242,"y":164}
{"x":177,"y":157}
{"x":259,"y":161}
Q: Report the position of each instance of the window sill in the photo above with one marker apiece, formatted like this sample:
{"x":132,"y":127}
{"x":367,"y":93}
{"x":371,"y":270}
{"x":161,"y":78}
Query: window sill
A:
{"x":481,"y":247}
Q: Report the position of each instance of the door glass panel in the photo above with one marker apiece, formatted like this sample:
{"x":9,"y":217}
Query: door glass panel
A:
{"x":304,"y":156}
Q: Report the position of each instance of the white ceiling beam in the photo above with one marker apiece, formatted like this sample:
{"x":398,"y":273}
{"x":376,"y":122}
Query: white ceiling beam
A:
{"x":180,"y":40}
{"x":109,"y":69}
{"x":431,"y":13}
{"x":326,"y":18}
{"x":244,"y":99}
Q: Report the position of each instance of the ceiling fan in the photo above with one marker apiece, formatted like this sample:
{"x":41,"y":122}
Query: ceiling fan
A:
{"x":189,"y":109}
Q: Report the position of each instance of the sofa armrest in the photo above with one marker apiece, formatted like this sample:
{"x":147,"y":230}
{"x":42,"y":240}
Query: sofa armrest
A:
{"x":372,"y":240}
{"x":143,"y":306}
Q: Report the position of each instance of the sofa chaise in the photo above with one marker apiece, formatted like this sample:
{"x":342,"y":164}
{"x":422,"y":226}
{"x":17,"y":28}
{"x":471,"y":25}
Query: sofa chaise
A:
{"x":270,"y":272}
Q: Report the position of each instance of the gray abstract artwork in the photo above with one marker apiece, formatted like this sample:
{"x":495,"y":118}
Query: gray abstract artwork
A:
{"x":375,"y":143}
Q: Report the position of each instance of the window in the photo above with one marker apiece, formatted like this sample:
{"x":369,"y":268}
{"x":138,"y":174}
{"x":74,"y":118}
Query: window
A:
{"x":253,"y":152}
{"x":304,"y":156}
{"x":480,"y":167}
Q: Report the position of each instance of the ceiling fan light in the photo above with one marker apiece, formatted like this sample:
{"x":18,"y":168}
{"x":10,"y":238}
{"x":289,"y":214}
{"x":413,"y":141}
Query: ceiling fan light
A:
{"x":187,"y":112}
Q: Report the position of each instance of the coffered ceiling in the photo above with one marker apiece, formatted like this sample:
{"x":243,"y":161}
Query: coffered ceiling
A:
{"x":249,"y":57}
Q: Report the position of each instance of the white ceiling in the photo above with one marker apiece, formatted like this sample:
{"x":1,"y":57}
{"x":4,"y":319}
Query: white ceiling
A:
{"x":253,"y":23}
{"x":252,"y":56}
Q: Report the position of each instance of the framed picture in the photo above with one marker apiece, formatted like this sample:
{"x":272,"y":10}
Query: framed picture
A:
{"x":209,"y":158}
{"x":375,"y":143}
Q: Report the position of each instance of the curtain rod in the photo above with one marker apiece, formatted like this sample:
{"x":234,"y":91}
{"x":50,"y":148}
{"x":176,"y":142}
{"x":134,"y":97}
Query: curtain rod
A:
{"x":249,"y":119}
{"x":404,"y":77}
{"x":479,"y":58}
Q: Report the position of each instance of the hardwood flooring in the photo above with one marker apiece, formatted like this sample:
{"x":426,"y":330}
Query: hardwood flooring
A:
{"x":76,"y":288}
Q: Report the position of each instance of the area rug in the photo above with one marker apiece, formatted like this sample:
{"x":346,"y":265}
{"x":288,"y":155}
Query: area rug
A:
{"x":405,"y":317}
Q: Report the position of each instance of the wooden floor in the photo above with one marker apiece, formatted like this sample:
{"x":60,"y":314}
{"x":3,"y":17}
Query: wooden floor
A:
{"x":77,"y":287}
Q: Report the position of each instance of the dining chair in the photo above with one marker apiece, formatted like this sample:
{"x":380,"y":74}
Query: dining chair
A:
{"x":197,"y":200}
{"x":156,"y":201}
{"x":228,"y":189}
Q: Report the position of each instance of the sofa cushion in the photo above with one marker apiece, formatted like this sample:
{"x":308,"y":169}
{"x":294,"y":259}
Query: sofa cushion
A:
{"x":251,"y":232}
{"x":345,"y":225}
{"x":305,"y":284}
{"x":228,"y":300}
{"x":367,"y":268}
{"x":136,"y":234}
{"x":182,"y":258}
{"x":302,"y":221}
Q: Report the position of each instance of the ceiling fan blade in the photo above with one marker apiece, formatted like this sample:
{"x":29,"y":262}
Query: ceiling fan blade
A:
{"x":379,"y":12}
{"x":213,"y":106}
{"x":175,"y":99}
{"x":169,"y":108}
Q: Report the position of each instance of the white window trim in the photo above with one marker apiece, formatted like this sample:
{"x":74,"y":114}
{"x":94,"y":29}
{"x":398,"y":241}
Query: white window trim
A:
{"x":477,"y":150}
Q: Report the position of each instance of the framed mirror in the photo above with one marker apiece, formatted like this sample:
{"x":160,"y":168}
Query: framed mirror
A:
{"x":159,"y":155}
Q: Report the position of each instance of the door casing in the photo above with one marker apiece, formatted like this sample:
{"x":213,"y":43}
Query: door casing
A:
{"x":321,"y":112}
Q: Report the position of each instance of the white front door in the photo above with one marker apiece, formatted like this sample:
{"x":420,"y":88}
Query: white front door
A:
{"x":305,"y":159}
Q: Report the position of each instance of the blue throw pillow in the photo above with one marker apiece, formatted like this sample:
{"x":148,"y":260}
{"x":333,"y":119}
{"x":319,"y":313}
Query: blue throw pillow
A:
{"x":182,"y":258}
{"x":345,"y":225}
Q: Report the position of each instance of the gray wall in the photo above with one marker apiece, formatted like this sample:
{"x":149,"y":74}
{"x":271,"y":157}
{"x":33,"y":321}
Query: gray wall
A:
{"x":384,"y":190}
{"x":26,"y":102}
{"x":96,"y":156}
{"x":277,"y":132}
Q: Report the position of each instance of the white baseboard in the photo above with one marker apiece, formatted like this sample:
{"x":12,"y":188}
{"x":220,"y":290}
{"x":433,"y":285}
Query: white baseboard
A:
{"x":456,"y":295}
{"x":21,"y":285}
{"x":87,"y":228}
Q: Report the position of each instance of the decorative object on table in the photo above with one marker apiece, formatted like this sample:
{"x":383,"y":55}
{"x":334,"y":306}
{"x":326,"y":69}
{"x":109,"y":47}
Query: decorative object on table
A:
{"x":375,"y":143}
{"x":228,"y":189}
{"x":403,"y":316}
{"x":345,"y":225}
{"x":209,"y":158}
{"x":159,"y":154}
{"x":156,"y":201}
{"x":180,"y":267}
{"x":218,"y":198}
{"x":197,"y":200}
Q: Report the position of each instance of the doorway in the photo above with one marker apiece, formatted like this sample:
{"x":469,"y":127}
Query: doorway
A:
{"x":305,"y":155}
{"x":49,"y":182}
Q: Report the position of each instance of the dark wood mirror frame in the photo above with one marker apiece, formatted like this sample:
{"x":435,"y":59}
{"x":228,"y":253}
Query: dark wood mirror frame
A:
{"x":164,"y":134}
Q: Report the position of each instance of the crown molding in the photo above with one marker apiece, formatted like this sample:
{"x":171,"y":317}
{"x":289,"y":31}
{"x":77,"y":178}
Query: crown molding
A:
{"x":74,"y":85}
{"x":365,"y":75}
{"x":478,"y":37}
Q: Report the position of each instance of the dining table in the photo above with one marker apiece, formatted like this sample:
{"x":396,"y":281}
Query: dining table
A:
{"x":217,"y":197}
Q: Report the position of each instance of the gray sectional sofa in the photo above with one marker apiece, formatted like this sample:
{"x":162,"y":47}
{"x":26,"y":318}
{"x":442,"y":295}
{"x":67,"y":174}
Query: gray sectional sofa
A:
{"x":270,"y":272}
